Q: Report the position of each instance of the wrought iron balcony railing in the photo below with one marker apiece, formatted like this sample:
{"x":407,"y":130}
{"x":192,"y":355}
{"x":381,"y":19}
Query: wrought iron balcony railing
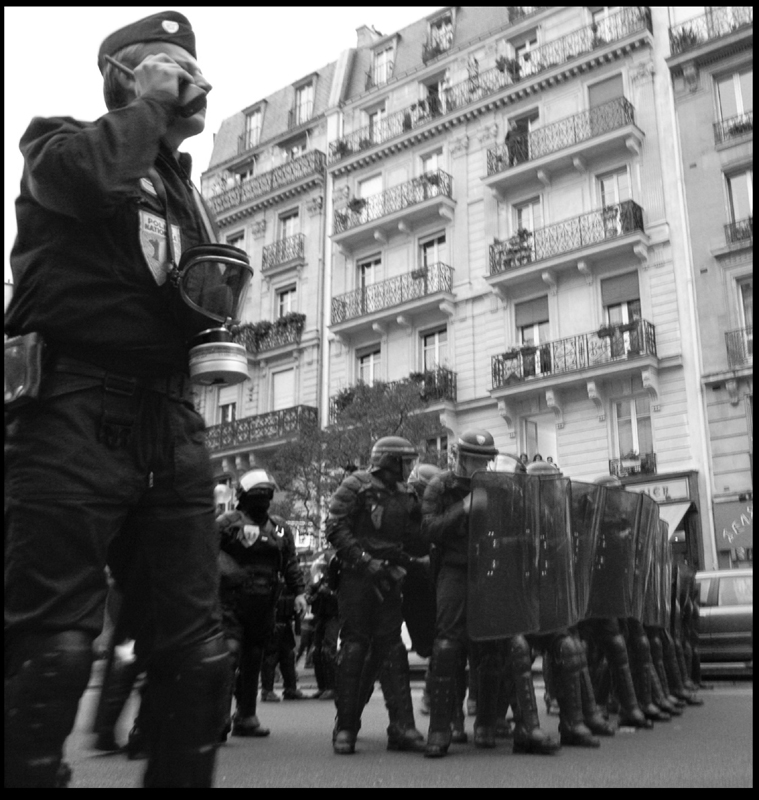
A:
{"x":643,"y":465}
{"x":437,"y":44}
{"x":392,"y":292}
{"x":299,"y":115}
{"x":740,"y":347}
{"x":259,"y":428}
{"x":627,"y":21}
{"x":597,"y":226}
{"x":740,"y":232}
{"x":718,"y":21}
{"x":417,"y":190}
{"x":518,"y":13}
{"x":283,"y":250}
{"x":568,"y":131}
{"x":573,"y":353}
{"x":379,"y":75}
{"x":734,"y":128}
{"x":435,"y":385}
{"x":311,"y":163}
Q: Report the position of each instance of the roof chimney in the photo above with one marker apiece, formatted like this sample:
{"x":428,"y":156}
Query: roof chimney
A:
{"x":367,"y":36}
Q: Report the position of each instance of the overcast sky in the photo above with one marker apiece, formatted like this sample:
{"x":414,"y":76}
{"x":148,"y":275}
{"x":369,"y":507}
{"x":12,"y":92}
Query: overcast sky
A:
{"x":246,"y":53}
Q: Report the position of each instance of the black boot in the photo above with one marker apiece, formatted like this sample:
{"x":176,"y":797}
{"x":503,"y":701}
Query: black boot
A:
{"x":489,"y":669}
{"x":630,"y":714}
{"x":566,"y":665}
{"x":528,"y":738}
{"x":658,"y":696}
{"x":672,"y":668}
{"x":394,"y":677}
{"x":350,"y":696}
{"x":590,"y":711}
{"x":657,"y":658}
{"x":458,"y":732}
{"x":641,"y":658}
{"x":441,"y":690}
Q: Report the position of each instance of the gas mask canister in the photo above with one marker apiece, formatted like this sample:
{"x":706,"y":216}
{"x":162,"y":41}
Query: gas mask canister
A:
{"x":213,"y":280}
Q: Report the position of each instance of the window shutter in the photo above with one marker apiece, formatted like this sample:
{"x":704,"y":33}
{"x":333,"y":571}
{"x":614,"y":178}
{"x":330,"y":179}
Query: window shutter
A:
{"x":620,"y":289}
{"x":283,"y":389}
{"x":532,"y":312}
{"x":603,"y":92}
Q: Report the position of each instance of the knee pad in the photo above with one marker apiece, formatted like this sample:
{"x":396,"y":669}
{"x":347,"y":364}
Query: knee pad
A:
{"x":519,"y":653}
{"x":617,"y":648}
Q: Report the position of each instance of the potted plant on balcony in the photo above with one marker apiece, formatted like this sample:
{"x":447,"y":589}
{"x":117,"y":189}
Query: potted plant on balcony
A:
{"x":519,"y":247}
{"x":356,"y":205}
{"x":683,"y":40}
{"x":419,"y":273}
{"x":292,"y":321}
{"x":605,"y":331}
{"x":511,"y":354}
{"x":342,"y":148}
{"x":628,"y":326}
{"x":631,"y":460}
{"x":741,"y":127}
{"x":364,"y":143}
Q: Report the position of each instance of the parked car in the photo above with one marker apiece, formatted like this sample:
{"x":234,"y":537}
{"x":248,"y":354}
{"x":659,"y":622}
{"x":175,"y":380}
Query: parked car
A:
{"x":726,"y":598}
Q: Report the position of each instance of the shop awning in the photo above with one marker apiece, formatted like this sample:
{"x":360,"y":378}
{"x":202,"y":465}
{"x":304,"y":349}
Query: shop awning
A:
{"x":673,"y":515}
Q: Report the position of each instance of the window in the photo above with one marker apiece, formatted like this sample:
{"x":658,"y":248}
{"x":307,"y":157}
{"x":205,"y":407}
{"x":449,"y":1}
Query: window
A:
{"x":431,"y":162}
{"x":621,"y":303}
{"x":369,"y":367}
{"x":746,"y":299}
{"x":383,"y":66}
{"x":533,"y":329}
{"x":441,"y":33}
{"x":528,"y":215}
{"x":525,"y":47}
{"x":633,"y":422}
{"x":614,"y":188}
{"x":294,"y":149}
{"x":735,"y":94}
{"x":438,"y":445}
{"x":370,"y":187}
{"x":289,"y":225}
{"x":434,"y":349}
{"x":304,"y":103}
{"x":740,"y":193}
{"x":368,"y":271}
{"x":237,"y":240}
{"x":286,"y":301}
{"x":253,"y":128}
{"x":433,"y":251}
{"x":605,"y":91}
{"x":227,"y":412}
{"x":283,"y":389}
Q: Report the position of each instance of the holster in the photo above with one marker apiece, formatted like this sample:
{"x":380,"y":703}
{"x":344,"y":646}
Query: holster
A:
{"x":23,"y":357}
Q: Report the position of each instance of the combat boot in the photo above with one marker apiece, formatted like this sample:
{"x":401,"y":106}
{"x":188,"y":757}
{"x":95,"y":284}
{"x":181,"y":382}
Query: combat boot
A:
{"x":657,"y":659}
{"x":488,"y":681}
{"x":528,"y":738}
{"x":591,"y":714}
{"x":658,"y":696}
{"x":350,"y":697}
{"x":441,"y":691}
{"x":566,"y":666}
{"x":674,"y":678}
{"x":394,"y":678}
{"x":630,"y":714}
{"x":458,"y":732}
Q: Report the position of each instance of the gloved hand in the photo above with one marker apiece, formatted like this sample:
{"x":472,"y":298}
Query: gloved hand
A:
{"x":378,"y":574}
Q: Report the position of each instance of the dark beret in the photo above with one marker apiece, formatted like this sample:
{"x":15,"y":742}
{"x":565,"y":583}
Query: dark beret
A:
{"x":168,"y":26}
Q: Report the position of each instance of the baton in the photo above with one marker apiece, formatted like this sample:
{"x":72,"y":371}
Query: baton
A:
{"x":192,"y":106}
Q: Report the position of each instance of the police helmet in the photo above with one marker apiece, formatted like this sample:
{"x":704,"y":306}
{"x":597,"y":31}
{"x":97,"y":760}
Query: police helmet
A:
{"x":421,"y":476}
{"x":476,"y":442}
{"x":609,"y":480}
{"x":542,"y":468}
{"x":256,"y":482}
{"x":506,"y":462}
{"x":390,"y":452}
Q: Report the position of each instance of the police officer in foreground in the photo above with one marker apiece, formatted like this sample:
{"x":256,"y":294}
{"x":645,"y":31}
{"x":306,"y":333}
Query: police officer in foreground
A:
{"x":256,"y":549}
{"x":108,"y":442}
{"x":371,"y":522}
{"x":445,"y":512}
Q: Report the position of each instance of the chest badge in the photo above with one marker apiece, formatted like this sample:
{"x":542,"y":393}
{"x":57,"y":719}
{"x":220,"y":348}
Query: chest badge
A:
{"x":154,"y":246}
{"x":249,"y":535}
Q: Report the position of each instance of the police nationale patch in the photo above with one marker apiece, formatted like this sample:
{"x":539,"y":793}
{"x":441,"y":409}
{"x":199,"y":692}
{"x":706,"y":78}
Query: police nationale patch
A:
{"x":153,"y":244}
{"x":170,"y":26}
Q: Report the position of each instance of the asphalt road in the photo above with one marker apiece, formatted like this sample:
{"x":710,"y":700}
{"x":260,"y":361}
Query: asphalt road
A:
{"x":709,"y":746}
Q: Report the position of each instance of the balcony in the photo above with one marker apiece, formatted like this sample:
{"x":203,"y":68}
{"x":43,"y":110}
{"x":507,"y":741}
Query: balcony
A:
{"x":573,"y":354}
{"x":570,"y":142}
{"x":402,"y":207}
{"x":397,"y":298}
{"x":739,"y":127}
{"x":283,"y":252}
{"x":740,"y":233}
{"x":603,"y":233}
{"x":260,"y":429}
{"x":258,"y":337}
{"x":718,"y":22}
{"x":592,"y":41}
{"x":259,"y":189}
{"x":436,"y":385}
{"x":740,"y":348}
{"x":378,"y":75}
{"x":634,"y":465}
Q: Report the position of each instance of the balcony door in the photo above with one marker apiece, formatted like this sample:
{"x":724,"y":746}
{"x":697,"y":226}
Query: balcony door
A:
{"x":603,"y":117}
{"x":613,"y":189}
{"x":434,"y":350}
{"x":289,"y":225}
{"x":746,"y":290}
{"x":735,"y":95}
{"x":540,"y":436}
{"x":369,"y":367}
{"x":621,"y":310}
{"x":740,"y":196}
{"x":283,"y":389}
{"x":632,"y":419}
{"x":533,"y":333}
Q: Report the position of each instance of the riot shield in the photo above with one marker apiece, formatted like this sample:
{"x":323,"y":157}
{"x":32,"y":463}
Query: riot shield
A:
{"x":652,"y":602}
{"x":586,"y":516}
{"x":647,"y":523}
{"x":503,"y":580}
{"x":666,"y":575}
{"x":613,"y":575}
{"x":558,"y":598}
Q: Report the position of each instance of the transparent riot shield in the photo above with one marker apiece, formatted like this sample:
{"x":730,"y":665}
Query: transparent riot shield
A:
{"x":503,"y":588}
{"x":652,"y":602}
{"x":666,"y":575}
{"x":647,"y":523}
{"x":613,"y":575}
{"x":586,"y":517}
{"x":558,"y":597}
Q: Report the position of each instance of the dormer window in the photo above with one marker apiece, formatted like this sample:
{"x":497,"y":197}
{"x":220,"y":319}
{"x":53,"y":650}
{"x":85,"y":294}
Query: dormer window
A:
{"x":253,"y":124}
{"x":439,"y":37}
{"x":382,"y":68}
{"x":304,"y":103}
